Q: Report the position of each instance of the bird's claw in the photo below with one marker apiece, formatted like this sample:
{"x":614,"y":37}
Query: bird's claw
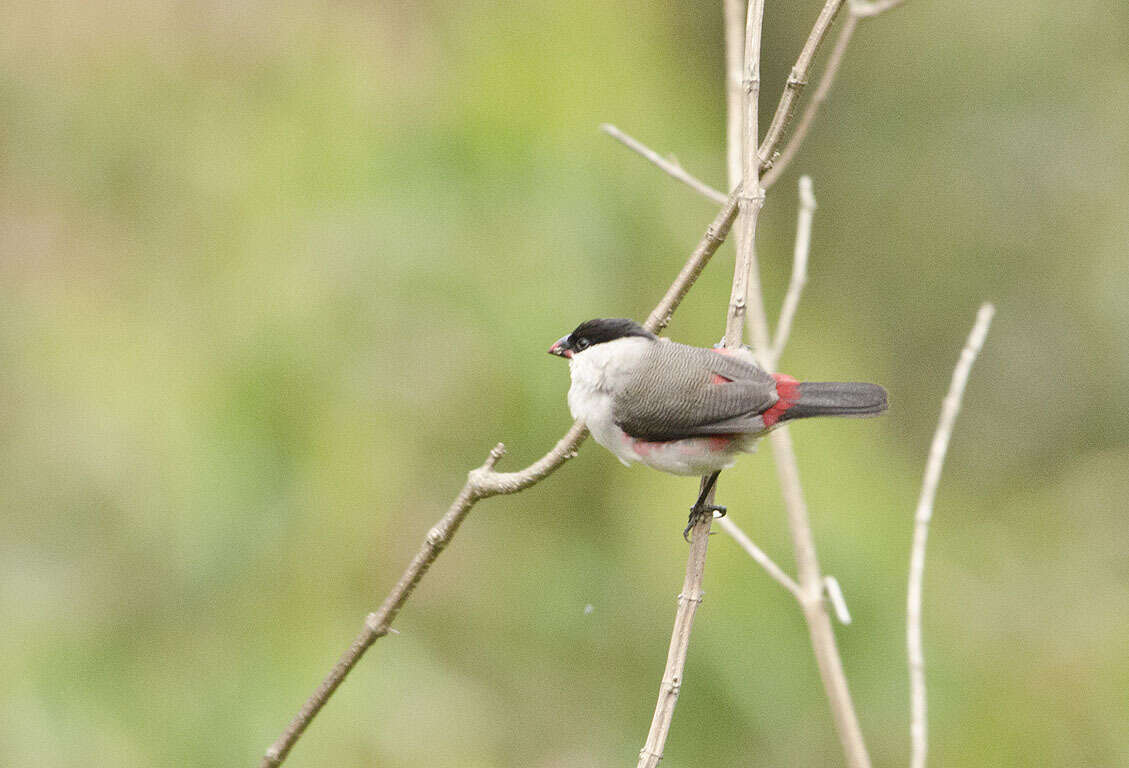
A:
{"x":700,"y":511}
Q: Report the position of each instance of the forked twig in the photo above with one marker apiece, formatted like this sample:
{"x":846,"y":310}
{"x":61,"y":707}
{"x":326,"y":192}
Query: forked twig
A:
{"x":949,"y":410}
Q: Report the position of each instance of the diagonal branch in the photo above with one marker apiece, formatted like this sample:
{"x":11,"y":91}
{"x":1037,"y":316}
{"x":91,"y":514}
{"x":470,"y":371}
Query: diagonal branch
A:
{"x":826,"y":80}
{"x":669,"y":166}
{"x":857,"y":10}
{"x":482,"y":483}
{"x":949,"y":410}
{"x":758,"y":554}
{"x":797,"y":79}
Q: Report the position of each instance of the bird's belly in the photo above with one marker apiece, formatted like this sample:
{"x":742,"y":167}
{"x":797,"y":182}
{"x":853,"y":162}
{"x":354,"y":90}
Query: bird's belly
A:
{"x":692,"y":455}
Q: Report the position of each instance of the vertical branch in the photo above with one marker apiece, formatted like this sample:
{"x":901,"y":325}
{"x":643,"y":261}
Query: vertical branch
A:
{"x":734,"y":15}
{"x":746,"y":281}
{"x":949,"y":410}
{"x":688,"y":601}
{"x":808,"y":571}
{"x":743,"y":276}
{"x":820,"y":630}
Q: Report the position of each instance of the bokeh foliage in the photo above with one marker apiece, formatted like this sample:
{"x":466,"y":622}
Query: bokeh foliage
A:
{"x":273,"y":276}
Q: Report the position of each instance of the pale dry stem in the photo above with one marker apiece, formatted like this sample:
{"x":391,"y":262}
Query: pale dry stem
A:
{"x":690,"y":598}
{"x":939,"y":447}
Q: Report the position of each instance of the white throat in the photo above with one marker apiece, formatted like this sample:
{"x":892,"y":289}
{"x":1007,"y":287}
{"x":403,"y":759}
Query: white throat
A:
{"x":597,"y":374}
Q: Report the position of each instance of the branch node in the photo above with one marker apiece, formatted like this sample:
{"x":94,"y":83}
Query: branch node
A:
{"x":436,"y":537}
{"x":497,"y":452}
{"x":375,"y":626}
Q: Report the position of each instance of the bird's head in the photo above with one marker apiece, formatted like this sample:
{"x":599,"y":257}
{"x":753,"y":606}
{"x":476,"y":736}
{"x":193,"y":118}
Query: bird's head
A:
{"x":598,"y":331}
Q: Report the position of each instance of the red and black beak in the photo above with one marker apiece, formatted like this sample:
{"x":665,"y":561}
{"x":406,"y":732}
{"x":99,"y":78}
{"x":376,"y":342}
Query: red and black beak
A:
{"x":561,"y":347}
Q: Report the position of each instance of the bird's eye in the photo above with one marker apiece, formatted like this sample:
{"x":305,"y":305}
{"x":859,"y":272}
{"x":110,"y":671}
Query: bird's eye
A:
{"x":582,"y":343}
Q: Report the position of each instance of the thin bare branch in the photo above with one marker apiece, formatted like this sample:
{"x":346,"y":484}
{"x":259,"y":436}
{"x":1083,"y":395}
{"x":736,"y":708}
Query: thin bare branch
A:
{"x":815,"y":613}
{"x":797,"y":79}
{"x":746,"y":280}
{"x":688,"y":601}
{"x":799,"y":278}
{"x":734,"y":17}
{"x":483,"y":483}
{"x":715,"y":235}
{"x":672,"y":167}
{"x":763,"y":560}
{"x":949,"y":410}
{"x":809,"y":577}
{"x":858,"y":9}
{"x":691,"y":596}
{"x":826,"y":80}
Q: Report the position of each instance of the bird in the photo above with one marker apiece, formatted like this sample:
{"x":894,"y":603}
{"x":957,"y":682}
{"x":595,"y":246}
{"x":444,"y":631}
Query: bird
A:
{"x":688,"y":410}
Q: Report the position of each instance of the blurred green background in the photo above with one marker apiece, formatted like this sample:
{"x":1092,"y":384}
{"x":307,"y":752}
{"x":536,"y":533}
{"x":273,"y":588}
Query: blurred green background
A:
{"x":274,"y":276}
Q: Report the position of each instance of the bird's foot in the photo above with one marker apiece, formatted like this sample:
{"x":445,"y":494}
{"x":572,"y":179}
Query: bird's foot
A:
{"x":700,"y":511}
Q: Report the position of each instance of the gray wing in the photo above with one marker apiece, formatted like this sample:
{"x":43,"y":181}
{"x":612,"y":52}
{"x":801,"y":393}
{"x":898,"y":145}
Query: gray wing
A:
{"x":681,"y":391}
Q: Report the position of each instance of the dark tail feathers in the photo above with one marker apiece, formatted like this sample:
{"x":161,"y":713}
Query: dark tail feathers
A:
{"x":837,"y":398}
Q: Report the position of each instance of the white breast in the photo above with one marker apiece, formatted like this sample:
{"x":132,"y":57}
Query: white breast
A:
{"x":597,"y":373}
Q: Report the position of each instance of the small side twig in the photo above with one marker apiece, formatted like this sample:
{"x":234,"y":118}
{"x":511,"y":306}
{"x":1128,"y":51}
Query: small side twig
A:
{"x":671,"y":167}
{"x":483,"y":483}
{"x":799,"y":277}
{"x":949,"y":410}
{"x":758,"y":554}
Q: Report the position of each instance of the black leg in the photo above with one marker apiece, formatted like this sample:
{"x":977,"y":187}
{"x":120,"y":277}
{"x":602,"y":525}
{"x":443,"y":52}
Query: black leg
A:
{"x":701,"y":508}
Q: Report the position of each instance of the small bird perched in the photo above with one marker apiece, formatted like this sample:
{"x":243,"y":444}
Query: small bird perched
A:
{"x":688,"y":410}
